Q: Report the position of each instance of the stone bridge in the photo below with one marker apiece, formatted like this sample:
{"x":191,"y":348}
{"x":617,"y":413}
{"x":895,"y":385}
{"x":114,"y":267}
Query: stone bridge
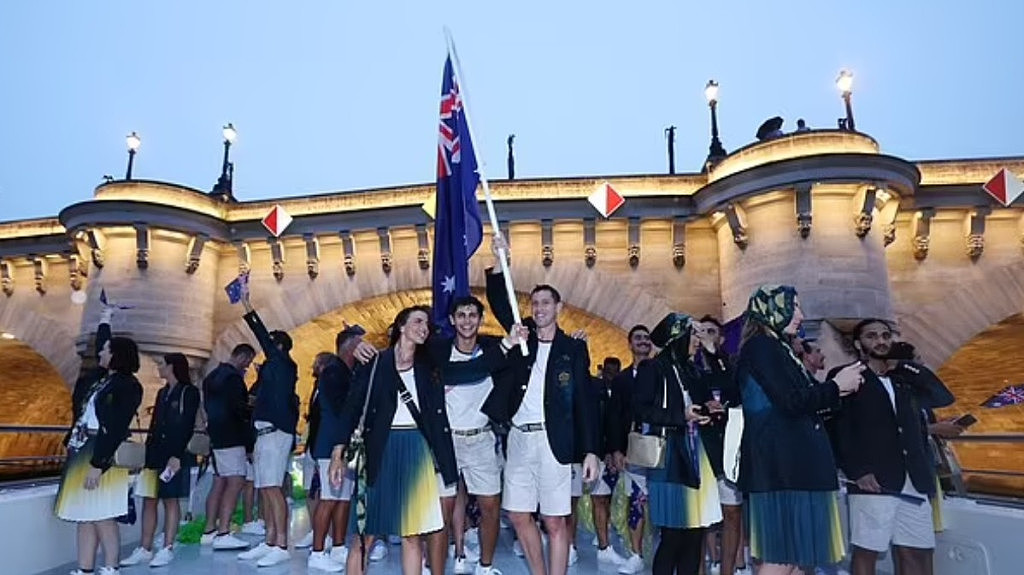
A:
{"x":860,"y":233}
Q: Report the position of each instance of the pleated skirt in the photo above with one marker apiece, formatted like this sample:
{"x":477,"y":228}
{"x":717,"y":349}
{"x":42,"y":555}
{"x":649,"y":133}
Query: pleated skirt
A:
{"x":677,"y":506}
{"x":796,"y":527}
{"x":76,"y":503}
{"x":405,"y":499}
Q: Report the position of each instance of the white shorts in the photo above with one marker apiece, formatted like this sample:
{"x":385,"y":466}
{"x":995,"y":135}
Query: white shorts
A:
{"x":878,"y":520}
{"x":728,"y":494}
{"x":533,"y":477}
{"x":327,"y":491}
{"x":599,"y":487}
{"x":230,"y":462}
{"x":270,"y":458}
{"x":309,"y":470}
{"x":477,"y":461}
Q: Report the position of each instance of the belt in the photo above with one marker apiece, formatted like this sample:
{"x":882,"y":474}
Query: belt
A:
{"x":265,"y":430}
{"x":529,"y":427}
{"x":411,"y":426}
{"x":471,"y":432}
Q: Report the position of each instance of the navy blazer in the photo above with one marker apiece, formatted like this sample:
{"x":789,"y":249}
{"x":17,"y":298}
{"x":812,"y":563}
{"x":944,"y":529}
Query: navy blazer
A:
{"x":275,"y":396}
{"x":226,"y":401}
{"x":334,"y":384}
{"x":873,"y":438}
{"x":619,"y":412}
{"x":785,"y":445}
{"x":87,"y":378}
{"x":117,"y":404}
{"x":172,"y":424}
{"x":380,"y":410}
{"x":570,"y":412}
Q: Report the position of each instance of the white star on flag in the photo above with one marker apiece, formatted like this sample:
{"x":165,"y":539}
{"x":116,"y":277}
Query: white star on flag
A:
{"x":449,"y":284}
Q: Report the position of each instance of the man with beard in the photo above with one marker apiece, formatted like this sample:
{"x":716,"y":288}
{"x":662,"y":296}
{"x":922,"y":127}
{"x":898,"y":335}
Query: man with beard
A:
{"x":882,"y":448}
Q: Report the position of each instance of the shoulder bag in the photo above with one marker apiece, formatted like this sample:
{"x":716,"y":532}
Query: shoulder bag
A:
{"x":649,"y":450}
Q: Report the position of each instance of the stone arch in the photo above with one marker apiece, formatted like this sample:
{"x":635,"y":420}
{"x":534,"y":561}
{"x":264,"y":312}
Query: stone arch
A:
{"x":46,"y":337}
{"x":596,"y":292}
{"x":941,"y":328}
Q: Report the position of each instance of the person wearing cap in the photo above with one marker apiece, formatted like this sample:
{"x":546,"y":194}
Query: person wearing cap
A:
{"x":683,"y":492}
{"x":334,"y":381}
{"x":787,"y":469}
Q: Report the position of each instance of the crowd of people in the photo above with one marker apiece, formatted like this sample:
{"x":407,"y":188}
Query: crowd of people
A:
{"x":402,"y":441}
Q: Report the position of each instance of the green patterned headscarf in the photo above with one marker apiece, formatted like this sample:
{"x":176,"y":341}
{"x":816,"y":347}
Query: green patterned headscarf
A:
{"x":670,"y":328}
{"x":773,"y":306}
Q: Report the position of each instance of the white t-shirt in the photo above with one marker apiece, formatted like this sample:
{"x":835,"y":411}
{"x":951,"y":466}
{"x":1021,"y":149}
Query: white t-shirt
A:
{"x":402,"y":416}
{"x":532,"y":408}
{"x":887,"y":384}
{"x":465,"y":401}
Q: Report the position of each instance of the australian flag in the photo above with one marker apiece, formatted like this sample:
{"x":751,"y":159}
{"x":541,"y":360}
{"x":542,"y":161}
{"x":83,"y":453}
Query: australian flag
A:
{"x":457,"y":226}
{"x":1012,"y":395}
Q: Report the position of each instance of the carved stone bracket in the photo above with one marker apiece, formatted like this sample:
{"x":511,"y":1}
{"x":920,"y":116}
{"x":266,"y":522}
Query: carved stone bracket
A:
{"x":888,"y":234}
{"x":195,"y":253}
{"x":95,"y":249}
{"x":312,"y":256}
{"x":803,"y":209}
{"x":679,"y":242}
{"x":737,"y":225}
{"x":974,"y":227}
{"x":384,"y":235}
{"x":633,"y":253}
{"x":244,"y":257}
{"x":277,"y":257}
{"x":6,"y":279}
{"x":922,"y":232}
{"x":39,"y":269}
{"x":76,"y":271}
{"x":864,"y":217}
{"x":423,"y":254}
{"x":142,"y":245}
{"x":349,"y":250}
{"x":590,"y":241}
{"x":547,"y":252}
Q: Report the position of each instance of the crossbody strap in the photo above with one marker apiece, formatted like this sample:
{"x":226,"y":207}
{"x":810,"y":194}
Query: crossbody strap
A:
{"x":406,"y":396}
{"x":369,"y":392}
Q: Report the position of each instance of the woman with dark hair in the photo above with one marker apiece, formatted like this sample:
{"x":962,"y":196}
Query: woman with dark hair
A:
{"x":166,"y":476}
{"x":787,"y":468}
{"x":92,"y":491}
{"x":409,"y":452}
{"x":683,"y":492}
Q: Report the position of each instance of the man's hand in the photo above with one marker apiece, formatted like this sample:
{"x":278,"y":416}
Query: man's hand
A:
{"x":715,"y":406}
{"x":869,"y":483}
{"x":364,"y":352}
{"x":850,"y":378}
{"x":92,"y":479}
{"x":590,"y":468}
{"x":945,"y":429}
{"x":620,"y":460}
{"x":693,"y":414}
{"x":174,"y":464}
{"x":336,"y":471}
{"x":498,"y":245}
{"x":579,"y":334}
{"x":518,"y":334}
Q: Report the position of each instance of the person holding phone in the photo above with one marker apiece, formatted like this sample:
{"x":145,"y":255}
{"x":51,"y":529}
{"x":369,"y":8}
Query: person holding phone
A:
{"x":882,"y":441}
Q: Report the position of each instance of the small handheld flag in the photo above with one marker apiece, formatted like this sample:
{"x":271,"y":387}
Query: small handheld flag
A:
{"x":237,"y":288}
{"x":1011,"y":395}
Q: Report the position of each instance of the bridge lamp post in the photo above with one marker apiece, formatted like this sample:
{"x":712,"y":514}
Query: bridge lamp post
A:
{"x":134,"y":141}
{"x":845,"y":84}
{"x":223,"y":187}
{"x":715,"y":152}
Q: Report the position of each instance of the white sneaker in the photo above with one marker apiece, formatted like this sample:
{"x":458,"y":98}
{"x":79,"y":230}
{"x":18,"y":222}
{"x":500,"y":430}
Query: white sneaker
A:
{"x":207,"y":538}
{"x":162,"y":557}
{"x":255,"y":528}
{"x":328,"y":542}
{"x":574,"y":555}
{"x":108,"y":571}
{"x":339,"y":554}
{"x":489,"y":570}
{"x":274,"y":557}
{"x":306,"y":542}
{"x":228,"y":542}
{"x":608,"y":555}
{"x":379,"y":551}
{"x":463,"y":566}
{"x":517,"y":548}
{"x":634,"y":564}
{"x":473,"y":537}
{"x":256,"y":552}
{"x":469,"y":554}
{"x":321,"y":561}
{"x":140,"y":555}
{"x":747,"y":571}
{"x":715,"y":569}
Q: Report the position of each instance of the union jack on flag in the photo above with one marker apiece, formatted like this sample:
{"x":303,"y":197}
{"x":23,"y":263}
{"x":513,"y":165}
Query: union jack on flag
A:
{"x":1012,"y":395}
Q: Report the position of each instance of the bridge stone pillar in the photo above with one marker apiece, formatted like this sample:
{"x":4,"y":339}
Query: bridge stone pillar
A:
{"x":760,"y":199}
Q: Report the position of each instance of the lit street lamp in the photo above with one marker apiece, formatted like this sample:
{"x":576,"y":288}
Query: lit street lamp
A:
{"x":222,"y":189}
{"x":134,"y":141}
{"x":845,"y":84}
{"x":715,"y":152}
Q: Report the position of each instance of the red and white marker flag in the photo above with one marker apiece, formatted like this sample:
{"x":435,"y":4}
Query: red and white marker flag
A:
{"x":1005,"y":187}
{"x":276,"y":221}
{"x":606,"y":200}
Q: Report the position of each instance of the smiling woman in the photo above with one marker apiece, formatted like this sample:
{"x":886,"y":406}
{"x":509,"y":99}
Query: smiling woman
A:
{"x":31,"y":393}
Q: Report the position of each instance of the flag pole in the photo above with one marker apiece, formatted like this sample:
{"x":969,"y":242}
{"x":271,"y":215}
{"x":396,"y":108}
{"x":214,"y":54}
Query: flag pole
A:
{"x":488,"y":199}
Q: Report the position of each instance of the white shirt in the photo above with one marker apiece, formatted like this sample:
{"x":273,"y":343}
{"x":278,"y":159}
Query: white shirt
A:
{"x":887,"y":384}
{"x":92,"y":421}
{"x":532,"y":408}
{"x":402,"y":416}
{"x":465,"y":401}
